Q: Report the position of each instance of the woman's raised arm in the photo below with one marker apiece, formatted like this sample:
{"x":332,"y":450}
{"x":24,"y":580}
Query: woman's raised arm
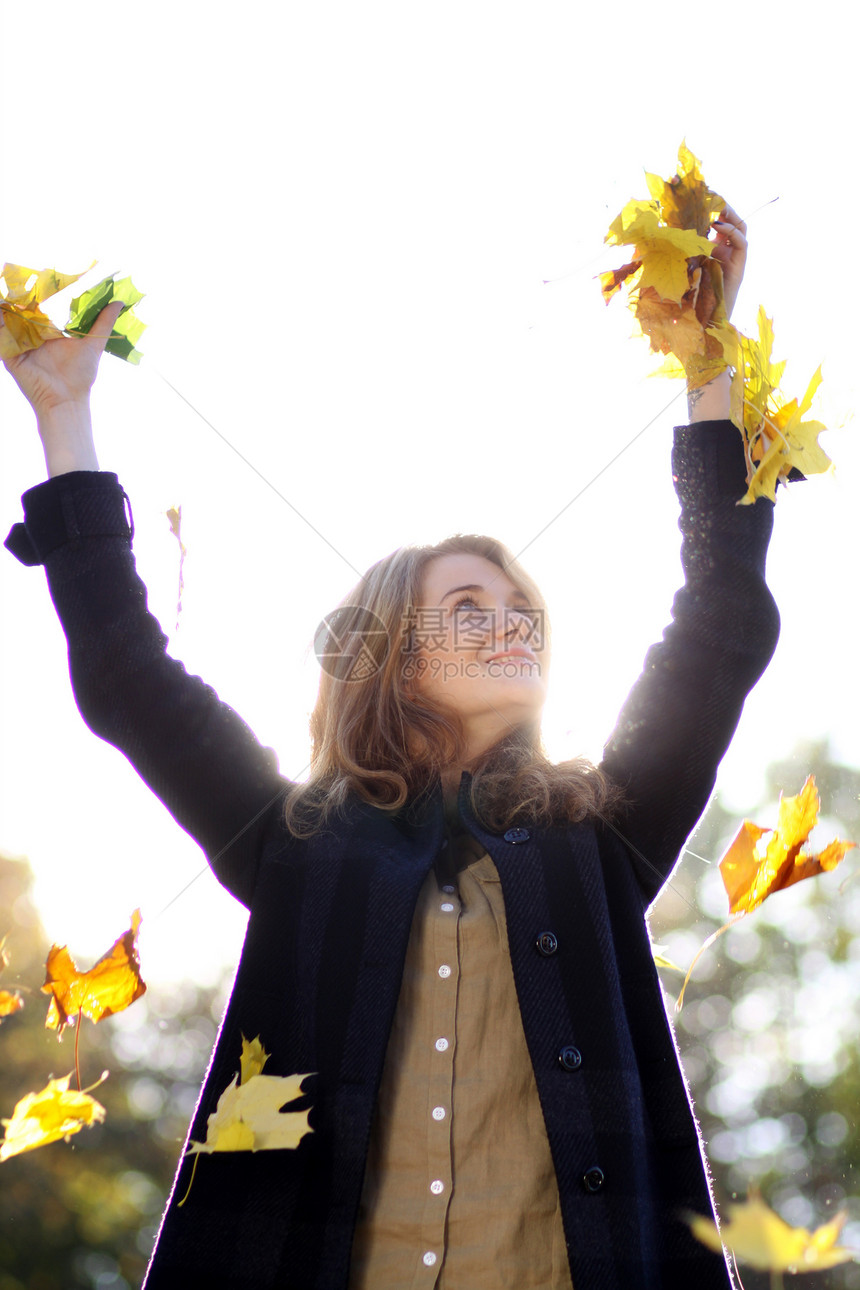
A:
{"x":193,"y":751}
{"x":56,"y":380}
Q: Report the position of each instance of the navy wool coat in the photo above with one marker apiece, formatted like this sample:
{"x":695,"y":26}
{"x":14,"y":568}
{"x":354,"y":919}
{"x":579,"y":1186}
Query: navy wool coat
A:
{"x":330,"y":916}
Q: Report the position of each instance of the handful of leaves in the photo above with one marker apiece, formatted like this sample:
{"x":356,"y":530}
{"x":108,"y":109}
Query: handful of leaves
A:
{"x":26,"y":326}
{"x":675,"y":291}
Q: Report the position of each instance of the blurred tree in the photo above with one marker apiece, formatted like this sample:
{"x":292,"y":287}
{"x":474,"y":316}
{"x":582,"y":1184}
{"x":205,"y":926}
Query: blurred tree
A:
{"x":82,"y":1215}
{"x":770,"y":1024}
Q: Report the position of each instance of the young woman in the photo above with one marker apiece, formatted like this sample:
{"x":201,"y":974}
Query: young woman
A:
{"x":445,"y":928}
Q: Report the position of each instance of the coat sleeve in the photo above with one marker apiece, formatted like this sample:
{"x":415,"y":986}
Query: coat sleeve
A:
{"x":681,"y":714}
{"x":192,"y":750}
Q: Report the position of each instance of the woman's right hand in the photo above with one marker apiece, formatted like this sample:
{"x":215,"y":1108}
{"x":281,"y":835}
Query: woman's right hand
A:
{"x":56,"y":380}
{"x":63,"y":371}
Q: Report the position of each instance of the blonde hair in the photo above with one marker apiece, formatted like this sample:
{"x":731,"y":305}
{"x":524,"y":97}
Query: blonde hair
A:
{"x":376,"y":738}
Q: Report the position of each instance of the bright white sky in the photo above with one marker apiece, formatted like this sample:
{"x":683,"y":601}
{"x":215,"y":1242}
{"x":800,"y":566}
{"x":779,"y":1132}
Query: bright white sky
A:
{"x":368,"y":236}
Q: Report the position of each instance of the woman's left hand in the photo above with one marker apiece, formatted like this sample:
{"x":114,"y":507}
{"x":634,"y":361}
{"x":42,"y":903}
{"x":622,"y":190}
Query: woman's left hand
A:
{"x":730,"y":252}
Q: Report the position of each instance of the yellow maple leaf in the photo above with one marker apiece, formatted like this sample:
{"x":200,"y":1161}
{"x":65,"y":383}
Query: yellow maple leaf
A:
{"x":26,"y":326}
{"x":108,"y":987}
{"x":663,"y":251}
{"x":47,"y":1116}
{"x":252,"y":1060}
{"x":249,"y":1117}
{"x":759,"y":1238}
{"x":685,"y":200}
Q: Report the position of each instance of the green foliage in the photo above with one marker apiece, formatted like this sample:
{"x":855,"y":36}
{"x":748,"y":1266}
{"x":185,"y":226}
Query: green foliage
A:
{"x":127,"y":329}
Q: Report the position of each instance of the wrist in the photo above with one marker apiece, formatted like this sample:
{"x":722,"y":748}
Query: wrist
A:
{"x":66,"y":432}
{"x":711,"y":402}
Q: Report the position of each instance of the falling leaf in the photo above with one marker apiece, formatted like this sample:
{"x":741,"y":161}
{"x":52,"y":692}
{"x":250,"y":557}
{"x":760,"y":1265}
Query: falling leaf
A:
{"x":127,"y":330}
{"x":174,"y":518}
{"x":248,"y":1116}
{"x":25,"y":325}
{"x":660,"y":959}
{"x":760,"y":1238}
{"x":253,"y":1059}
{"x":10,"y":1001}
{"x":751,"y":872}
{"x":108,"y":987}
{"x":47,"y":1116}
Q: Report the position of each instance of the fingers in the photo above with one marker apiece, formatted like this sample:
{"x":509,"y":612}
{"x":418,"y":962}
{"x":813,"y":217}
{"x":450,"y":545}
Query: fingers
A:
{"x":731,"y":233}
{"x":104,"y":324}
{"x":730,"y":216}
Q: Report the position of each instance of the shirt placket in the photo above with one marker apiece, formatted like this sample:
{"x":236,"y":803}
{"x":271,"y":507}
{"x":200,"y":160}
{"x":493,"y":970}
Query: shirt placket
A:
{"x":443,"y":969}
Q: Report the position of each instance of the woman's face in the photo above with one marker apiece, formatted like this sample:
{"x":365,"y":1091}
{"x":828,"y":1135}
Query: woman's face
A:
{"x":478,"y":647}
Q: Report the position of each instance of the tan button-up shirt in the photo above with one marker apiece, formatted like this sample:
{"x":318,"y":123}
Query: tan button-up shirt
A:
{"x":460,"y":1191}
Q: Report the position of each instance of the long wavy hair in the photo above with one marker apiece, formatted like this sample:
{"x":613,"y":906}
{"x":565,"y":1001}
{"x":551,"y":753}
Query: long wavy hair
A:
{"x":377,"y":738}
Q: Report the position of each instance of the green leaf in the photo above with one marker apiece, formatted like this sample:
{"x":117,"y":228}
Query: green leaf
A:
{"x":128,"y":329}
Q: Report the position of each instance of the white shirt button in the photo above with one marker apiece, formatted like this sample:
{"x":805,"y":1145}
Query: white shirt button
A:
{"x":441,"y":1045}
{"x":437,"y":1186}
{"x":444,"y":971}
{"x":429,"y":1259}
{"x":450,"y":890}
{"x":438,"y":1113}
{"x":447,"y":907}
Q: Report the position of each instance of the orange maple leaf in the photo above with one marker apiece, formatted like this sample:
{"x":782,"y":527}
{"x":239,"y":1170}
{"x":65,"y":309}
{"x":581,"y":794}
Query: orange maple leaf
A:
{"x":108,"y":987}
{"x":670,"y":328}
{"x":750,"y":874}
{"x":10,"y":1001}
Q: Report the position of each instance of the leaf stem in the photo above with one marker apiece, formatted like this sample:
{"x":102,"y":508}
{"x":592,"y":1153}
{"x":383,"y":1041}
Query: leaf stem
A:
{"x":77,"y":1037}
{"x":679,"y":1002}
{"x":190,"y":1181}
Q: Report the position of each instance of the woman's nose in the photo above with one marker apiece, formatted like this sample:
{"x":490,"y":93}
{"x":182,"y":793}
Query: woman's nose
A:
{"x":515,"y":625}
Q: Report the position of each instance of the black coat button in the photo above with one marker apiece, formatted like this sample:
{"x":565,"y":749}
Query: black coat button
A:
{"x":547,"y":943}
{"x":517,"y":835}
{"x":593,"y":1179}
{"x":569,"y":1058}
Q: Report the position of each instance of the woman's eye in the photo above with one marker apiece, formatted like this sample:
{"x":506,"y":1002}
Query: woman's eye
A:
{"x":467,"y":602}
